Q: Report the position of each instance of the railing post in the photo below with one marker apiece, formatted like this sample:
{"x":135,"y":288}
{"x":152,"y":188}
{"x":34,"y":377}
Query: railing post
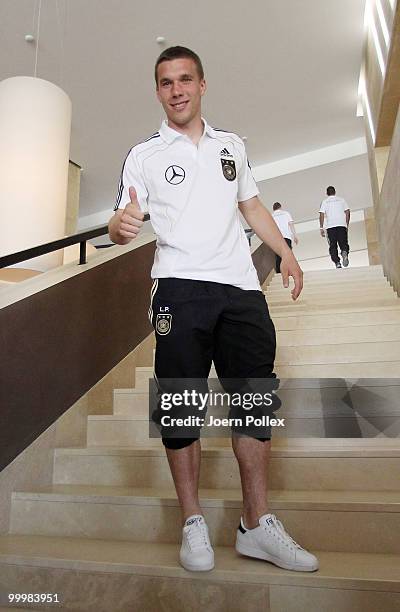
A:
{"x":82,"y":252}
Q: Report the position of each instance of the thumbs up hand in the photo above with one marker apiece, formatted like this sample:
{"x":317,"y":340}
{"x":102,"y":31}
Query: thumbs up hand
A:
{"x":130,"y":220}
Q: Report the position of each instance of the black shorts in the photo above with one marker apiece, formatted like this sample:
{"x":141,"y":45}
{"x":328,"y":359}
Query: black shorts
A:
{"x":200,"y":322}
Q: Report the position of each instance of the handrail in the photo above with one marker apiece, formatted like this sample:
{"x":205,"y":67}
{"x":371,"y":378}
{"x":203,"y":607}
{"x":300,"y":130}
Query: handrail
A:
{"x":55,"y":245}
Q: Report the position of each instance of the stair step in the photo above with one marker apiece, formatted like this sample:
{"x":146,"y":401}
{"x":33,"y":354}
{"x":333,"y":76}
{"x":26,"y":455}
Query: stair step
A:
{"x":296,"y":308}
{"x":348,"y":521}
{"x":351,"y":468}
{"x":332,"y":320}
{"x":332,"y":296}
{"x":345,"y":284}
{"x":300,"y":399}
{"x":338,"y":353}
{"x":333,"y":274}
{"x":338,"y":335}
{"x":128,"y":430}
{"x":346,"y":360}
{"x":311,"y":306}
{"x":379,"y":370}
{"x":136,"y":576}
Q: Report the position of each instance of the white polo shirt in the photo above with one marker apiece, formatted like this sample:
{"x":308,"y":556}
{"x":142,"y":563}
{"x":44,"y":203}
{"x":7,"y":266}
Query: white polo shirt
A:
{"x":282,"y":218}
{"x":334,"y":208}
{"x":192,"y":194}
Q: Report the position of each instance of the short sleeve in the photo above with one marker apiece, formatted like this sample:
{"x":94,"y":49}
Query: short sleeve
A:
{"x":247,"y":187}
{"x":322,"y":208}
{"x":131,"y":176}
{"x":289,"y":217}
{"x":345,"y":206}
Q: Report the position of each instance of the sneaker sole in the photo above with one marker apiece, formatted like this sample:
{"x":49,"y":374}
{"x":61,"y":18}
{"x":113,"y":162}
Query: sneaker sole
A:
{"x":196,"y":568}
{"x":259,"y":554}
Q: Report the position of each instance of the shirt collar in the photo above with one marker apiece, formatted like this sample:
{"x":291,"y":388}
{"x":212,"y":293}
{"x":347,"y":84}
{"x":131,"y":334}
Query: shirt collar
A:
{"x":169,"y":134}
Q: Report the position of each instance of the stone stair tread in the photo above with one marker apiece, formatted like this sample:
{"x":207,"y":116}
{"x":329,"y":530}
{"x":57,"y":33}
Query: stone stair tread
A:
{"x":383,"y":501}
{"x":296,"y":308}
{"x":277,"y":450}
{"x":365,"y":571}
{"x":337,"y":311}
{"x":301,"y":384}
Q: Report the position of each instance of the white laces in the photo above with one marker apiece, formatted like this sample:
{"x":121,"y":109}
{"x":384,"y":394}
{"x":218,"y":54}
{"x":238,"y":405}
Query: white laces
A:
{"x":197,"y":536}
{"x":283,"y":535}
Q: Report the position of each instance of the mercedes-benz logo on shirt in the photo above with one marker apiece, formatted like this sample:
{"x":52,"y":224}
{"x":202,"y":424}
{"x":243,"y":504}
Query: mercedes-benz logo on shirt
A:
{"x":175,"y":175}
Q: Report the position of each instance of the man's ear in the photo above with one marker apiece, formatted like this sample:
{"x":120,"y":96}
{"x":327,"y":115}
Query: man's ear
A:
{"x":203,"y":87}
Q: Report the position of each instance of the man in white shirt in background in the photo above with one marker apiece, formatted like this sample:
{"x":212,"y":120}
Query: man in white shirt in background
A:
{"x":285,"y":223}
{"x":336,"y":212}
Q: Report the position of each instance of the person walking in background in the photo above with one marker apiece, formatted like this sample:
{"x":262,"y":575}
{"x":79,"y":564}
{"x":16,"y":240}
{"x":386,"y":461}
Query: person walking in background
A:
{"x":337,"y":213}
{"x":284,"y":221}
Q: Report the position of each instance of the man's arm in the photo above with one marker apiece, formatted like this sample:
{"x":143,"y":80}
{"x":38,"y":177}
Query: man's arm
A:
{"x":347,"y":212}
{"x":321,"y":224}
{"x":261,"y":221}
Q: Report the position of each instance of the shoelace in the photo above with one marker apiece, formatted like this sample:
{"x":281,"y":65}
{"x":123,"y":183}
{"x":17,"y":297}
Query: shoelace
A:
{"x":284,"y":534}
{"x":196,"y":536}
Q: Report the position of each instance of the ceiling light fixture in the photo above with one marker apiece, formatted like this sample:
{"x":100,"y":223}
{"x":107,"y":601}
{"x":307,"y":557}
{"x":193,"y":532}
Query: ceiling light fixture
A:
{"x":160,"y":40}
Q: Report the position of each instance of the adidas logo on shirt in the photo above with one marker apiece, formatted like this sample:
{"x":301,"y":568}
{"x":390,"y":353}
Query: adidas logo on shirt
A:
{"x":225,"y":153}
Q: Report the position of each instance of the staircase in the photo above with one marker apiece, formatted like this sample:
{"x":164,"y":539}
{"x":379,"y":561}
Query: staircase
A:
{"x":105,"y":535}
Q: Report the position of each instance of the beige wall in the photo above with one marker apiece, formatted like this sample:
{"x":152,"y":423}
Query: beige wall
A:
{"x":34,"y":467}
{"x":389,"y":213}
{"x":372,"y":237}
{"x":382,"y":221}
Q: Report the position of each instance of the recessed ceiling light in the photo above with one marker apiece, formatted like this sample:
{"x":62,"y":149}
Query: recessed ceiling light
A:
{"x":29,"y":38}
{"x":244,"y":138}
{"x":160,"y":40}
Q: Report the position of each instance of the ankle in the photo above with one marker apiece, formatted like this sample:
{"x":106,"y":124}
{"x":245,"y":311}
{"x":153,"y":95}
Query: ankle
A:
{"x":251,"y":519}
{"x":191,"y":512}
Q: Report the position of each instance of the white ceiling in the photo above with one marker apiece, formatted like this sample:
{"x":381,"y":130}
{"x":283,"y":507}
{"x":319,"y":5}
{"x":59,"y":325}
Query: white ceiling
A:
{"x":302,"y":192}
{"x":282,"y":72}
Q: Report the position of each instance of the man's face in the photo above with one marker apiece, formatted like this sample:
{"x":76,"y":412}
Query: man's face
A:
{"x":179,"y":89}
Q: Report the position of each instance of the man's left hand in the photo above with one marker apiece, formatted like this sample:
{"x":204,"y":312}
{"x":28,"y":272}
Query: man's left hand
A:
{"x":290,"y":267}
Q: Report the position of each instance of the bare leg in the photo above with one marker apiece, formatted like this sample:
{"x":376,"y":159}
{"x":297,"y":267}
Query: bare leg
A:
{"x":185,"y":469}
{"x":253,"y":458}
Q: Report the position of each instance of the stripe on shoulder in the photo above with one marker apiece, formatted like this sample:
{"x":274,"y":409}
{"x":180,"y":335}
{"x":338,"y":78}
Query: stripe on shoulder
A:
{"x":155,"y":135}
{"x":220,"y":130}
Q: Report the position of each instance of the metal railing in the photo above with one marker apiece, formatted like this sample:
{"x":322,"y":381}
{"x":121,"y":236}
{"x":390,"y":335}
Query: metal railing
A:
{"x":80,"y":238}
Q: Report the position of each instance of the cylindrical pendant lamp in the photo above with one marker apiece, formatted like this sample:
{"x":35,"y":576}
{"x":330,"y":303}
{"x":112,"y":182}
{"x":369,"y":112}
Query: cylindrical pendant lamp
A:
{"x":35,"y":127}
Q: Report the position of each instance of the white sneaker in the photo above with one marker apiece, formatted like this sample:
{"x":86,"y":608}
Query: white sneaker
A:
{"x":345,"y":258}
{"x":196,"y":552}
{"x":271,"y":542}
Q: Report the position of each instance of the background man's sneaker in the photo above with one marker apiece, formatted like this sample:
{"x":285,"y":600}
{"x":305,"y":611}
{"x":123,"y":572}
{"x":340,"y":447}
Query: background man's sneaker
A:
{"x":270,"y":541}
{"x":338,"y":265}
{"x":196,"y":552}
{"x":345,"y":258}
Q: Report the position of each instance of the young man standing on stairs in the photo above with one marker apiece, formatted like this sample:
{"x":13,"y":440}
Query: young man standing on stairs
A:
{"x":194,"y":179}
{"x":337,"y":213}
{"x":285,"y":222}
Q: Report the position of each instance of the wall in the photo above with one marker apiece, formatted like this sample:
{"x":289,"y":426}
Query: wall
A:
{"x":383,"y":140}
{"x":389,"y":212}
{"x":302,"y":192}
{"x":34,"y":466}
